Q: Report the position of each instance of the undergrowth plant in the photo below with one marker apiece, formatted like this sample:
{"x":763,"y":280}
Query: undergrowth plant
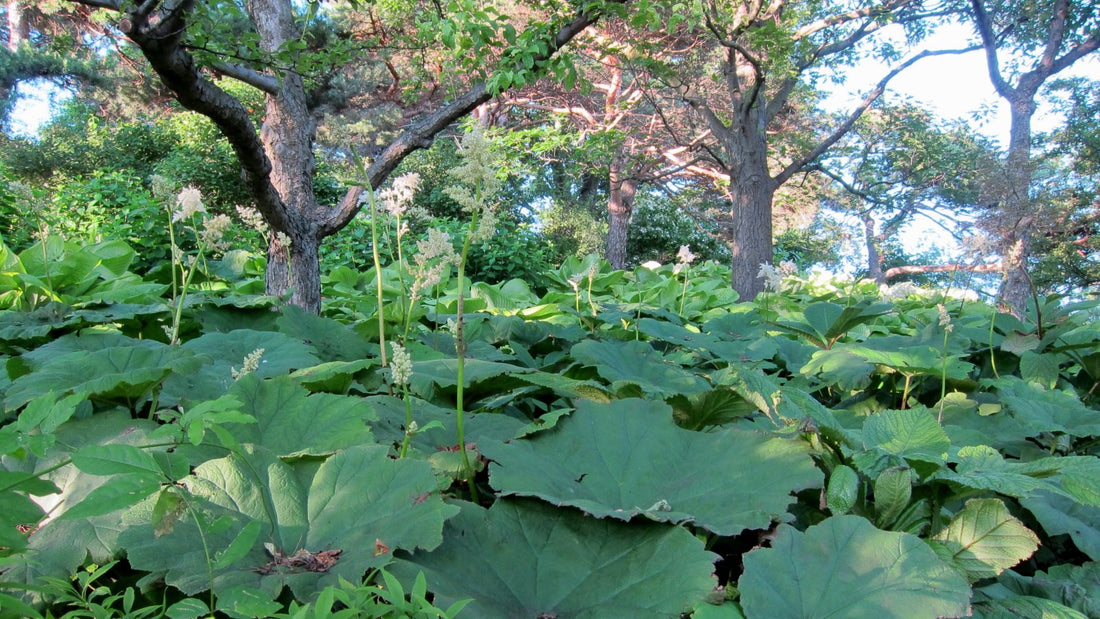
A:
{"x":629,"y":443}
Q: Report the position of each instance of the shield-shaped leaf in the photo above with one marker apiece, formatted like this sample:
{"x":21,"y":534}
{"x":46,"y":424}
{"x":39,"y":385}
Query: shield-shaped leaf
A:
{"x":527,"y":559}
{"x":115,"y":372}
{"x":290,"y":421}
{"x":629,"y":458}
{"x":636,"y":363}
{"x":340,"y":522}
{"x":845,"y":567}
{"x":1061,"y":515}
{"x":61,"y":544}
{"x":912,"y":433}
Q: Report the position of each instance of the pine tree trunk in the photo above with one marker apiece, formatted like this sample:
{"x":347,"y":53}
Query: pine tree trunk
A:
{"x":295,"y":272}
{"x":287,"y":135}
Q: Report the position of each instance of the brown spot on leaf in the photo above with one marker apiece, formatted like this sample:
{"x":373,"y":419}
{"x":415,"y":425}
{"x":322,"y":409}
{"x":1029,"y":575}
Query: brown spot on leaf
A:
{"x":301,"y":561}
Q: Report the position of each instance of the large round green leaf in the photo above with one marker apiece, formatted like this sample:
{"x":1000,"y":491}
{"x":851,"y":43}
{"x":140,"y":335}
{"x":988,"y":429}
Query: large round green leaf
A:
{"x":61,"y":544}
{"x":225,"y":353}
{"x":291,"y":421}
{"x":357,"y":507}
{"x":845,"y":567}
{"x":1061,"y":515}
{"x":528,"y":559}
{"x":126,"y":372}
{"x":635,"y":363}
{"x":629,"y":457}
{"x":912,"y":433}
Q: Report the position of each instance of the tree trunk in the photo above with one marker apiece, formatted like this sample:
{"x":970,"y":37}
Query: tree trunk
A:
{"x":18,"y":27}
{"x":751,"y":192}
{"x":1017,"y":208}
{"x":287,"y":136}
{"x":295,"y":272}
{"x":620,"y":206}
{"x":874,"y":256}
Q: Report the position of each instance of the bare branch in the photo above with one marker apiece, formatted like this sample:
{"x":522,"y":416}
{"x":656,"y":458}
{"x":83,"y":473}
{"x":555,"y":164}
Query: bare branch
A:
{"x":1055,"y":34}
{"x":257,"y":80}
{"x":1087,"y":46}
{"x":840,"y":18}
{"x":989,"y":42}
{"x":942,"y":268}
{"x":114,"y":5}
{"x":845,"y":126}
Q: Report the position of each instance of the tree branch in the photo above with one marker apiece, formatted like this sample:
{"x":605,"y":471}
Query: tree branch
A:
{"x":1087,"y":46}
{"x":942,"y":268}
{"x":1055,"y":35}
{"x":257,"y":80}
{"x":840,"y":18}
{"x":422,"y":133}
{"x":845,"y":126}
{"x":989,"y":42}
{"x":159,"y":35}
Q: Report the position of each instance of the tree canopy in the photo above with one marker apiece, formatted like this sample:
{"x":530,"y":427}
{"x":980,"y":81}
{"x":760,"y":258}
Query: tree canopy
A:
{"x":716,"y":108}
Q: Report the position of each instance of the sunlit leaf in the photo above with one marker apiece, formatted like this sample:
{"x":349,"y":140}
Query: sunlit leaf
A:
{"x":984,"y":540}
{"x":911,"y":433}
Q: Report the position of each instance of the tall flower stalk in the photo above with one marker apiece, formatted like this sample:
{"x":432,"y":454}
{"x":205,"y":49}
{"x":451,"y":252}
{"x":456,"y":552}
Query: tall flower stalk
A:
{"x":475,"y":193}
{"x":210,"y":239}
{"x":945,"y":322}
{"x":400,"y":374}
{"x":377,"y":274}
{"x":684,"y":258}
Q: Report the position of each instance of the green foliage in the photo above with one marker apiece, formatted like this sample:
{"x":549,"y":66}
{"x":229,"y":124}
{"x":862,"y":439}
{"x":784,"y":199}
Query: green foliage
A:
{"x":846,"y":565}
{"x":629,"y":428}
{"x":520,"y":558}
{"x":632,"y":460}
{"x":658,"y":228}
{"x":572,"y":232}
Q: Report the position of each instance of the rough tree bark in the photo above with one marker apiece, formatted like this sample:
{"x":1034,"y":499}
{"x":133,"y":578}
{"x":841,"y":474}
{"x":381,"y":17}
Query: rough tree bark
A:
{"x":620,"y":206}
{"x":874,"y":256}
